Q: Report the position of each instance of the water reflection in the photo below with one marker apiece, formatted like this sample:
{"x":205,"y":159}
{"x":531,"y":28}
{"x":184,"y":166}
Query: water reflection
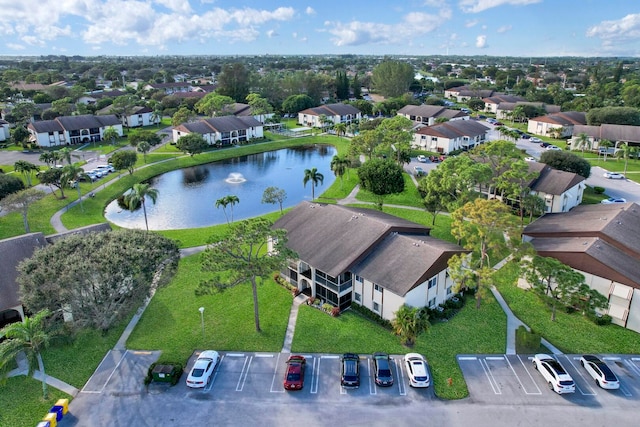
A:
{"x":187,"y":196}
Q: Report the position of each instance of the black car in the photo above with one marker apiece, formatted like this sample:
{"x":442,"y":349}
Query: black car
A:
{"x":382,"y":369}
{"x":545,"y":144}
{"x":525,"y":136}
{"x":350,"y":376}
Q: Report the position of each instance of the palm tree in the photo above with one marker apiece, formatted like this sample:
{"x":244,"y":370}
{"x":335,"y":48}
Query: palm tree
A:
{"x":340,"y":128}
{"x":144,"y":147}
{"x":583,"y":142}
{"x":110,"y":134}
{"x":48,"y":158}
{"x":72,"y":174}
{"x":31,"y":337}
{"x":409,"y":323}
{"x":605,"y":143}
{"x":156,"y":114}
{"x":138,"y":195}
{"x":315,"y":177}
{"x":339,"y":165}
{"x":625,"y":151}
{"x":26,"y":168}
{"x":226,"y":201}
{"x":65,"y":153}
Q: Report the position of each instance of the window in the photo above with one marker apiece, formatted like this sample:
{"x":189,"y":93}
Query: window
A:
{"x":376,"y":307}
{"x":432,"y":282}
{"x":358,"y":279}
{"x":378,"y":288}
{"x":449,"y":290}
{"x":357,"y":297}
{"x":432,"y":302}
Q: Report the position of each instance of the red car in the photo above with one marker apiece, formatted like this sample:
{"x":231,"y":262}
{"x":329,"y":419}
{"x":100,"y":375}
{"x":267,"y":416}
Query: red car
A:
{"x":294,"y":375}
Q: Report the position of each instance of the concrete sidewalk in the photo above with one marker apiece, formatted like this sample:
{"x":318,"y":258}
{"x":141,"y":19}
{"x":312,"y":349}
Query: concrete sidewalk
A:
{"x":23,"y":369}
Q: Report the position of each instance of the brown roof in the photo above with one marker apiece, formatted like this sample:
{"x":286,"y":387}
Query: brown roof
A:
{"x":427,"y":111}
{"x":12,"y":252}
{"x":552,"y":181}
{"x":454,"y":129}
{"x":625,"y":133}
{"x":566,"y":118}
{"x":332,"y":110}
{"x":219,"y":124}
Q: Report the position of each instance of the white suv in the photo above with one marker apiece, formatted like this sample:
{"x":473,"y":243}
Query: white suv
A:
{"x":105,"y":169}
{"x":553,"y":372}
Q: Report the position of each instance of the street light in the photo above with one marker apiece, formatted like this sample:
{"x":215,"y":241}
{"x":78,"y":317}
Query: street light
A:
{"x":201,"y":309}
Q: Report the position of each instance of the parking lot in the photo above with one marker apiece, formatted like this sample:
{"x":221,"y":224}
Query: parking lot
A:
{"x":512,"y":379}
{"x":260,"y":375}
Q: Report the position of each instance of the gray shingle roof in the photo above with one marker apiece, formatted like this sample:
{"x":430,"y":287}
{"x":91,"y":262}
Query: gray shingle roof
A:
{"x":455,"y":129}
{"x":12,"y":252}
{"x":552,"y":181}
{"x":333,"y":238}
{"x":46,"y":126}
{"x":332,"y":110}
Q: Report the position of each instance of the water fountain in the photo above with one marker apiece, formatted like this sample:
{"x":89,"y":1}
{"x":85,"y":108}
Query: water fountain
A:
{"x":235,"y":178}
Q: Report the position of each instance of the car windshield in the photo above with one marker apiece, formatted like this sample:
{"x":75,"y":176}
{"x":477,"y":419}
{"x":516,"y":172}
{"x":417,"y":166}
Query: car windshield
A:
{"x":293,"y":377}
{"x":197,"y":372}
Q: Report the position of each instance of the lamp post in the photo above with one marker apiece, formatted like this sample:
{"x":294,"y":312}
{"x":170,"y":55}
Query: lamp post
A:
{"x":201,"y":309}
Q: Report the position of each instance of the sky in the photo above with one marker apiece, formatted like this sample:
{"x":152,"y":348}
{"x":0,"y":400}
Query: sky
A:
{"x":523,"y":28}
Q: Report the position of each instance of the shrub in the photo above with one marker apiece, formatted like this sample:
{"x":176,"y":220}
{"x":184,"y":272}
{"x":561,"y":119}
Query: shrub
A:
{"x":527,"y":342}
{"x":365,"y":312}
{"x":335,"y":311}
{"x":603,"y":320}
{"x":598,"y":190}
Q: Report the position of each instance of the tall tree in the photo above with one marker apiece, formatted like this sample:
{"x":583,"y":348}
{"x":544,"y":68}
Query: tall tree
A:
{"x":274,"y":195}
{"x":97,"y":279}
{"x":381,"y":177}
{"x":583,"y":142}
{"x":26,"y":169}
{"x":124,"y":159}
{"x":315,"y":177}
{"x":192,"y":143}
{"x":233,"y":81}
{"x":214,"y":104}
{"x":144,"y":147}
{"x":392,"y":78}
{"x":183,"y":115}
{"x":53,"y":178}
{"x":485,"y":227}
{"x":65,"y":153}
{"x":566,"y":161}
{"x":9,"y":184}
{"x":226,"y":201}
{"x":20,"y":202}
{"x":340,"y":165}
{"x":30,"y":337}
{"x":625,"y":151}
{"x":138,"y":196}
{"x":242,"y":257}
{"x":260,"y":106}
{"x":73,"y":174}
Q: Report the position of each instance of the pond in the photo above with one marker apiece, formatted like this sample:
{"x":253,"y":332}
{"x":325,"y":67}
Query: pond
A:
{"x":187,"y":197}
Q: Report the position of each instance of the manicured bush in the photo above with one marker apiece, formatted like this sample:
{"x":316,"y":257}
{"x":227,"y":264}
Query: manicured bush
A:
{"x":365,"y":312}
{"x":527,"y":342}
{"x":598,"y":190}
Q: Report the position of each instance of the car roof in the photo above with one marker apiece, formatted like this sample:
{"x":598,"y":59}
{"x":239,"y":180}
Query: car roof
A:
{"x":350,"y":356}
{"x":208,"y":354}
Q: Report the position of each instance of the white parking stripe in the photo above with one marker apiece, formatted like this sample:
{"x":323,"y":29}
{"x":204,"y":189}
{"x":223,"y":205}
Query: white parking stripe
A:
{"x":235,"y":354}
{"x":402,"y":388}
{"x":494,"y":358}
{"x":243,"y":373}
{"x":215,"y":375}
{"x":263,"y":355}
{"x":330,"y":357}
{"x":315,"y":375}
{"x":487,"y":371}
{"x":467,"y":358}
{"x":633,"y":366}
{"x":579,"y":371}
{"x":273,"y":380}
{"x":530,"y":376}
{"x":518,"y":378}
{"x":372,"y":384}
{"x":114,"y":370}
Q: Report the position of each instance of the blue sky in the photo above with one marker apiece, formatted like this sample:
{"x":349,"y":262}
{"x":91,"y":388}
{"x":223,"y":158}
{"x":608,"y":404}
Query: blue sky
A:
{"x":523,"y":28}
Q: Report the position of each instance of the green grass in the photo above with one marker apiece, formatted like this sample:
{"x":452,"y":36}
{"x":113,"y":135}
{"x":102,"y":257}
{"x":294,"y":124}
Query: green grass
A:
{"x":22,"y":403}
{"x":571,"y":333}
{"x":171,"y":322}
{"x":469,"y":331}
{"x":340,"y":187}
{"x":409,"y":197}
{"x":590,"y":197}
{"x":74,"y":361}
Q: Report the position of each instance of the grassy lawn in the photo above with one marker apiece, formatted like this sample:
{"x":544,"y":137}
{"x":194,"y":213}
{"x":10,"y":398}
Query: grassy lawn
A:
{"x":571,"y":333}
{"x":340,"y":187}
{"x":22,"y":404}
{"x":171,"y":322}
{"x":470,"y":331}
{"x":409,"y":197}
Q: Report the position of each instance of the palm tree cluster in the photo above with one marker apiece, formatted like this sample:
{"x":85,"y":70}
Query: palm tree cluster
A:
{"x":226,"y":201}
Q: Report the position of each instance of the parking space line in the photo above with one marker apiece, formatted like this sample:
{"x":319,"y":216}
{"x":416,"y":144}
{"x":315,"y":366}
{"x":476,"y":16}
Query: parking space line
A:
{"x":487,"y":371}
{"x":530,"y":376}
{"x":402,"y":388}
{"x":315,"y":375}
{"x":215,"y":374}
{"x":89,"y":380}
{"x":494,"y":358}
{"x":467,"y":358}
{"x":244,"y":373}
{"x":579,"y":371}
{"x":518,"y":378}
{"x":235,"y":354}
{"x":330,"y":357}
{"x":372,"y":385}
{"x":275,"y":371}
{"x":263,"y":355}
{"x":632,"y":365}
{"x":114,"y":370}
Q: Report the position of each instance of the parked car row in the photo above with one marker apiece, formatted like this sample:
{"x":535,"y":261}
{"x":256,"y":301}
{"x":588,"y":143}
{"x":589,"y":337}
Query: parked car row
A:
{"x":561,"y":382}
{"x":99,"y":172}
{"x":416,"y":366}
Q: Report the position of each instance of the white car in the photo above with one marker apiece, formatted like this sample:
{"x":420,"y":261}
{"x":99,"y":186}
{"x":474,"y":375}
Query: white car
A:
{"x":535,"y":139}
{"x":422,"y":159}
{"x":612,"y":200}
{"x":419,"y":171}
{"x":613,"y":175}
{"x":554,"y":374}
{"x":554,"y":148}
{"x":529,"y":159}
{"x":98,"y":173}
{"x":106,"y":169}
{"x":204,"y":366}
{"x":417,"y":370}
{"x":600,"y":372}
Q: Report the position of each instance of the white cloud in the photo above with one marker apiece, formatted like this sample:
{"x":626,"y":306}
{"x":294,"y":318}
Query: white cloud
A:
{"x":176,"y":5}
{"x":481,"y":42}
{"x":413,"y":25}
{"x":625,"y":29}
{"x":471,"y":23}
{"x":310,"y":11}
{"x":504,"y":29}
{"x":475,"y":6}
{"x":15,"y":46}
{"x":272,"y":33}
